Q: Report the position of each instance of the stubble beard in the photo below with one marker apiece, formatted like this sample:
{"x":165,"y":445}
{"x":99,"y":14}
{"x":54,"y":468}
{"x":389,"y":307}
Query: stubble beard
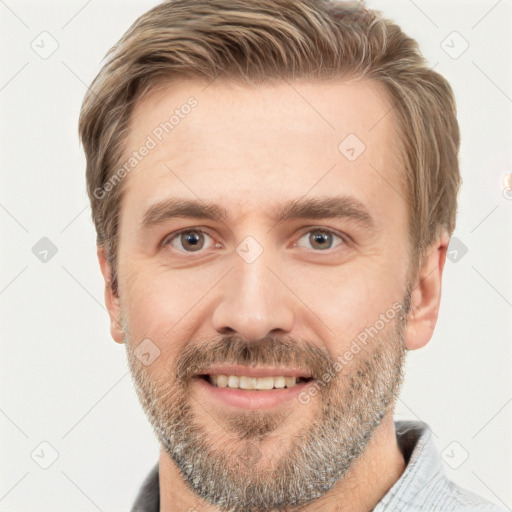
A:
{"x":237,"y":472}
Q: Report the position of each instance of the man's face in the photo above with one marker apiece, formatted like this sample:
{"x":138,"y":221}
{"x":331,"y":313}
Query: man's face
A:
{"x":254,"y":291}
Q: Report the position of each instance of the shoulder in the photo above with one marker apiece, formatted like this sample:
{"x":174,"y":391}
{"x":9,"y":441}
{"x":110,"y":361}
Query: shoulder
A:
{"x":441,"y":495}
{"x":458,"y":499}
{"x":424,"y":486}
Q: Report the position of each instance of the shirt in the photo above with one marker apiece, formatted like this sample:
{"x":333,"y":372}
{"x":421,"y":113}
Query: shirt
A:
{"x":423,"y":486}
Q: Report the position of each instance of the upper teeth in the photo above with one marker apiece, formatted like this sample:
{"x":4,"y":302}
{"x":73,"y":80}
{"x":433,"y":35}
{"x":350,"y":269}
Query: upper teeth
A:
{"x":243,"y":382}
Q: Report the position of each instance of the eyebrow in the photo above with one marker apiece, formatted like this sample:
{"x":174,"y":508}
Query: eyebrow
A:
{"x":312,"y":208}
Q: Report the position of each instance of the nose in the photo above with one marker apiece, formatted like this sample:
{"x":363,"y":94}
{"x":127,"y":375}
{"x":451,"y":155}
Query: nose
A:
{"x":254,"y":302}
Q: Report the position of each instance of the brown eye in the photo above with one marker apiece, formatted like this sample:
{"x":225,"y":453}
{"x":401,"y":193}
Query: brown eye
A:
{"x":191,"y":240}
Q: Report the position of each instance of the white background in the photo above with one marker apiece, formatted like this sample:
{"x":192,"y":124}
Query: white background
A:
{"x":64,"y":381}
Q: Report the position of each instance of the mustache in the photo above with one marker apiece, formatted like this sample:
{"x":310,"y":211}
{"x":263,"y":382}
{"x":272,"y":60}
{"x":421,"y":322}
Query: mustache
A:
{"x":294,"y":352}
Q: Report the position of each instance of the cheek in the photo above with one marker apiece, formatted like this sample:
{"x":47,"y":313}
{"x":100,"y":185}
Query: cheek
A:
{"x":163,"y":304}
{"x":351,"y":299}
{"x":154,"y":323}
{"x":147,"y":284}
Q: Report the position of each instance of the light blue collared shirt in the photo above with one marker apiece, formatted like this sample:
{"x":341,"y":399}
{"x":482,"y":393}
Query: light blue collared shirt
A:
{"x":424,"y":486}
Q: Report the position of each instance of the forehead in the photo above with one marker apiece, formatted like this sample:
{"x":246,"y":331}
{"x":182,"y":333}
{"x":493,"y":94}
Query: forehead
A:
{"x":248,"y":147}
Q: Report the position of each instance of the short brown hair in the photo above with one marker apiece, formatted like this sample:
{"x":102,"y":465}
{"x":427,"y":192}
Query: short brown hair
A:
{"x":254,"y":41}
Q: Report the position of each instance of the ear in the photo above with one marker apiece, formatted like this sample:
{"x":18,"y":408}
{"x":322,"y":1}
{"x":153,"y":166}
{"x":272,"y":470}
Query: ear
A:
{"x":111,"y":298}
{"x":426,"y":295}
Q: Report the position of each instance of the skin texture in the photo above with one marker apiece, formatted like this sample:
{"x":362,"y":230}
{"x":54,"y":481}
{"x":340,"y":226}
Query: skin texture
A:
{"x":301,"y":301}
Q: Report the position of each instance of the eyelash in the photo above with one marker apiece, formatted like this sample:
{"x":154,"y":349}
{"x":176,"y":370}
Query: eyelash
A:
{"x":167,"y":241}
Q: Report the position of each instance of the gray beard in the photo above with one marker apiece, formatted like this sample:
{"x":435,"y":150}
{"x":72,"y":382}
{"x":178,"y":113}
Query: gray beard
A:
{"x":237,"y":477}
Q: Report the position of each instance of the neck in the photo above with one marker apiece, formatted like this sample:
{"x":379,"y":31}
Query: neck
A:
{"x":364,"y":485}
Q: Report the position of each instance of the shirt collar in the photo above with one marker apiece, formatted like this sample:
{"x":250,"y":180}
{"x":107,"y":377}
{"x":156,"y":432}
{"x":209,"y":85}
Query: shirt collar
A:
{"x":423,"y":469}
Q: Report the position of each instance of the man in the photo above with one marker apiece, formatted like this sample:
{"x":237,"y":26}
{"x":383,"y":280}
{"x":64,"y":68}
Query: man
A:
{"x":309,"y":157}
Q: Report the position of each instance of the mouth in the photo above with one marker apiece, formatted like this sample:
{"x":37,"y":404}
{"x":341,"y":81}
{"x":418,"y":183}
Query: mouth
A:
{"x":247,"y":382}
{"x":248,"y":387}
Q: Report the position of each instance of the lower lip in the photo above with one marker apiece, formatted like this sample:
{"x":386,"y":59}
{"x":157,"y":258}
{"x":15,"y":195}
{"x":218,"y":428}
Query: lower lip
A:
{"x":250,"y":399}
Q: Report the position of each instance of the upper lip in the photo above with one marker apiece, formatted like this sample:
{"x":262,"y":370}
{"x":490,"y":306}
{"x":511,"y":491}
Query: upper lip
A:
{"x":251,"y":371}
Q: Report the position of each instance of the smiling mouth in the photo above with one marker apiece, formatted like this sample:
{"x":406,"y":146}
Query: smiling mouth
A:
{"x":253,"y":383}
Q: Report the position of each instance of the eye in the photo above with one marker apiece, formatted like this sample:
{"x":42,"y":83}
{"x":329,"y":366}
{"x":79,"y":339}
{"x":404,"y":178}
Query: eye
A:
{"x":188,"y":240}
{"x":193,"y":240}
{"x":321,"y":238}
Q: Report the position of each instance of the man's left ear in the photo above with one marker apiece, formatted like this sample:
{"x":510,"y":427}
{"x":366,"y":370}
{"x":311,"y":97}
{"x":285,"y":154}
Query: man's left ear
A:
{"x":426,"y":295}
